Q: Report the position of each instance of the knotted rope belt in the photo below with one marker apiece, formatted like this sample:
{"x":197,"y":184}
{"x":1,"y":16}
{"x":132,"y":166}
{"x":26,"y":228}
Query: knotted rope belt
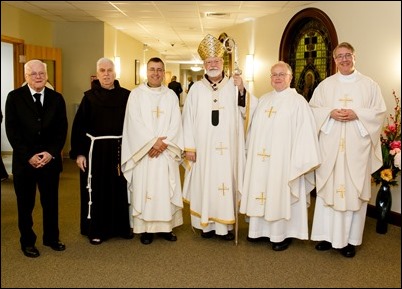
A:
{"x":89,"y":181}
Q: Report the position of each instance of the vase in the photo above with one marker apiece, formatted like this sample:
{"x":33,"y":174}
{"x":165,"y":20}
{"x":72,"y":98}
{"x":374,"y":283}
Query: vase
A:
{"x":383,"y":204}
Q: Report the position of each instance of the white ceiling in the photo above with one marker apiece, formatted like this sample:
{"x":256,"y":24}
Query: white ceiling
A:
{"x":173,"y":28}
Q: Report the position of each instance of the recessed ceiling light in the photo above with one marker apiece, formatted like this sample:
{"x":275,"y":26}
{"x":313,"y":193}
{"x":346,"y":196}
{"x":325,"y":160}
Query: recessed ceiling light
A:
{"x":216,"y":15}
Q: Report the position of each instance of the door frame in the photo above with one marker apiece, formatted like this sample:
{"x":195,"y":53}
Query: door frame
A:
{"x":24,"y":52}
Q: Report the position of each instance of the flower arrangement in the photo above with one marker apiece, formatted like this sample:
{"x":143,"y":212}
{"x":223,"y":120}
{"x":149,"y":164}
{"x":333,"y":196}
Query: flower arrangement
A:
{"x":391,"y":148}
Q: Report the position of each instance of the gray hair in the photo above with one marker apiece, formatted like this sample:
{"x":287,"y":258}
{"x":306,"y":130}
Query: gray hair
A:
{"x":283,"y":63}
{"x":346,"y":45}
{"x":104,"y":60}
{"x":28,"y":65}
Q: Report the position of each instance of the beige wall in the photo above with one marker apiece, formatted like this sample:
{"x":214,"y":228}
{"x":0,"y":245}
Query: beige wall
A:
{"x":82,"y":46}
{"x":375,"y":32}
{"x":20,"y":24}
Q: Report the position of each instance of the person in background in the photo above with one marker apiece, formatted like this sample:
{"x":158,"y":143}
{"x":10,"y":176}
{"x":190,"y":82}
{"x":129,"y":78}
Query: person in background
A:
{"x":36,"y":126}
{"x":214,"y":144}
{"x":349,"y":111}
{"x":3,"y":171}
{"x":282,"y":153}
{"x":190,"y":83}
{"x":96,"y":146}
{"x":151,"y":154}
{"x":175,"y":86}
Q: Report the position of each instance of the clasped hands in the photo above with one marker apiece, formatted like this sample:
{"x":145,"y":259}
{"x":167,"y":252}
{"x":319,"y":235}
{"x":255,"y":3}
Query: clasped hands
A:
{"x":343,"y":114}
{"x":39,"y":160}
{"x":158,"y":148}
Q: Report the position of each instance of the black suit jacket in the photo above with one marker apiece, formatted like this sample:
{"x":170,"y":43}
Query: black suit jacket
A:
{"x":176,"y":87}
{"x":29,"y":132}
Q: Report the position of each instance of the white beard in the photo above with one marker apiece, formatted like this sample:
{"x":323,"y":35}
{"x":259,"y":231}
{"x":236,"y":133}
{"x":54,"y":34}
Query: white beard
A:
{"x":213,"y":73}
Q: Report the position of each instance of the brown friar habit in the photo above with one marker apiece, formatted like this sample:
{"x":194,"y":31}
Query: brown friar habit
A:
{"x":101,"y":113}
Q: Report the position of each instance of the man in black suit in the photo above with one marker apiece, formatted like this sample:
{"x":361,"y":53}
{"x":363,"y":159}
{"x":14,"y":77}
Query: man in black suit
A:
{"x":36,"y":126}
{"x":175,"y":86}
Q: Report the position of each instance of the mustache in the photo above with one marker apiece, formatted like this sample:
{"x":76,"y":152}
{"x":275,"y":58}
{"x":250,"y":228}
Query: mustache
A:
{"x":214,"y":71}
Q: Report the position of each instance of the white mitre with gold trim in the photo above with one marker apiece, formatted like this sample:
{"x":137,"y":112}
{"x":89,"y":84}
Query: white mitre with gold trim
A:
{"x":210,"y":47}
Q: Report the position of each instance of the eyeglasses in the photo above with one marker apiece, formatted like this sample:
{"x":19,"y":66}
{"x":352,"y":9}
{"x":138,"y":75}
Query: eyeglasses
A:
{"x":158,"y":70}
{"x":210,"y":62}
{"x":346,"y":56}
{"x":35,"y":74}
{"x":280,"y":75}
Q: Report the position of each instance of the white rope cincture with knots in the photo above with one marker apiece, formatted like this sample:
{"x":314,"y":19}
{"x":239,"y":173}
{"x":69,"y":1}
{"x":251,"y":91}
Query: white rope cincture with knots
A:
{"x":89,"y":181}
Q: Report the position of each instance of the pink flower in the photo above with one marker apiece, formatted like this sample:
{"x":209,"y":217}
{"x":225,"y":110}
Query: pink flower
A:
{"x":396,"y":144}
{"x":391,"y":128}
{"x":394,"y":152}
{"x":390,"y":147}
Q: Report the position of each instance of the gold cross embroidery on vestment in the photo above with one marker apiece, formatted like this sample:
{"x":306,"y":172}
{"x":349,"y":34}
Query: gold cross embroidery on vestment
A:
{"x":158,"y":112}
{"x":261,"y":198}
{"x":345,"y":100}
{"x":342,"y":145}
{"x":270,"y":111}
{"x":223,"y":188}
{"x":221,"y":148}
{"x":341,"y":191}
{"x":263,"y":154}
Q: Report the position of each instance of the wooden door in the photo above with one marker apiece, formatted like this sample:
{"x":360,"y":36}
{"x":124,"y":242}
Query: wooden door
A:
{"x":52,"y":57}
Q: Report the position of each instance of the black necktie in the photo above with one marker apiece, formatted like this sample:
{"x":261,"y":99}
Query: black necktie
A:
{"x":37,"y":102}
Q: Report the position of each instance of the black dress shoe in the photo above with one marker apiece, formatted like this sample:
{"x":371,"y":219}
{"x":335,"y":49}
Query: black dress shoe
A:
{"x":228,"y":237}
{"x":95,"y":241}
{"x":323,"y":246}
{"x":348,"y":251}
{"x":208,"y":235}
{"x":57,"y":246}
{"x":256,"y":240}
{"x":168,"y":236}
{"x":147,"y":238}
{"x":30,"y":251}
{"x":281,"y":245}
{"x":128,"y":236}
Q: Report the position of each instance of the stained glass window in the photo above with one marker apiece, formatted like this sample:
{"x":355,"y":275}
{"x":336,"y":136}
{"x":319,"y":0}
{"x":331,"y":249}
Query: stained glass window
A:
{"x":307,"y":45}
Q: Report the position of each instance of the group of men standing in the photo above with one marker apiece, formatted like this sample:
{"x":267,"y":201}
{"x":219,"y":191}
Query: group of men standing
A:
{"x":258,"y":156}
